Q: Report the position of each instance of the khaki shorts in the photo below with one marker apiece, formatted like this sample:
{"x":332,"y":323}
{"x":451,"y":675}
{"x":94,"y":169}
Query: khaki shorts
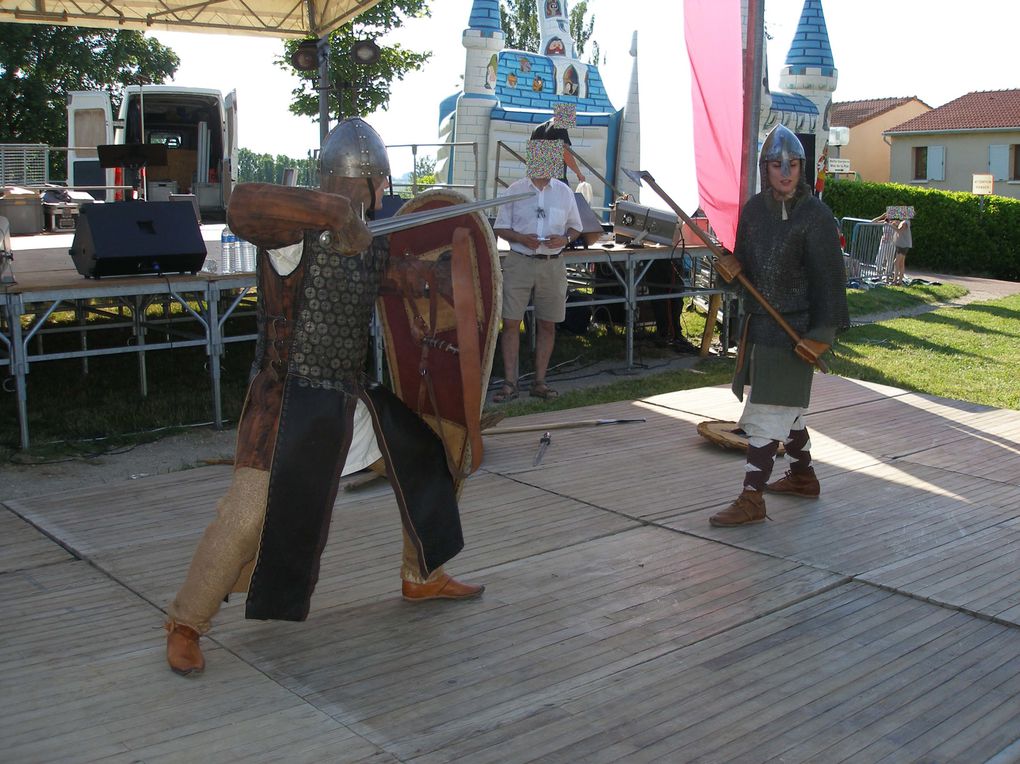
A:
{"x":548,"y":279}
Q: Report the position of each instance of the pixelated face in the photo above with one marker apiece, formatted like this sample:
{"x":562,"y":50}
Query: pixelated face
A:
{"x":564,"y":115}
{"x":544,"y":159}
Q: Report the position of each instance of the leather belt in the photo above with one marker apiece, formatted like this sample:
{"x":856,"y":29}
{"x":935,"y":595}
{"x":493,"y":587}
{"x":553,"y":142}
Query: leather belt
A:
{"x":539,"y":257}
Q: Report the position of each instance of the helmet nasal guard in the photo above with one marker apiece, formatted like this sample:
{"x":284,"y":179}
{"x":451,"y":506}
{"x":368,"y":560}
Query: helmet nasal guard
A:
{"x":781,"y":145}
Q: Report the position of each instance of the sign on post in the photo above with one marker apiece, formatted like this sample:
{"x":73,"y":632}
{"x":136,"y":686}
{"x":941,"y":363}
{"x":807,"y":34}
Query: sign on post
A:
{"x":983,"y":184}
{"x":839,"y":166}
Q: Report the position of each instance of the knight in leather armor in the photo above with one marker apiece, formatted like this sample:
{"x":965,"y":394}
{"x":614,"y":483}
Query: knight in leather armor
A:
{"x":788,"y":247}
{"x":308,"y":402}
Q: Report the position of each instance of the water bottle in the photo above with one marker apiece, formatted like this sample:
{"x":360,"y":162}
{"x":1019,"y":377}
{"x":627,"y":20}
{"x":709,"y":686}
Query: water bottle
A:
{"x":248,"y":253}
{"x":229,"y":254}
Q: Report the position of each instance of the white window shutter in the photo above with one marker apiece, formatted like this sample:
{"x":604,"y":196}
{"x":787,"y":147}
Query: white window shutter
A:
{"x":998,"y":161}
{"x":936,"y":163}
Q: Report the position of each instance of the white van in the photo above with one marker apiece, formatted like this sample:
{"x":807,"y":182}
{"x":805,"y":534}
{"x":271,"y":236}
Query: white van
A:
{"x":198,"y":126}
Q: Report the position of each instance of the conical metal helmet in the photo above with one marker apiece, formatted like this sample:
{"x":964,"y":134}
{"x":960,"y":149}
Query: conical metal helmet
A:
{"x":353,"y":149}
{"x":781,"y":145}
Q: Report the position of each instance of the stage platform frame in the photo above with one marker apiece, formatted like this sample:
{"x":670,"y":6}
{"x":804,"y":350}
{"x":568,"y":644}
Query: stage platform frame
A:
{"x":48,"y":282}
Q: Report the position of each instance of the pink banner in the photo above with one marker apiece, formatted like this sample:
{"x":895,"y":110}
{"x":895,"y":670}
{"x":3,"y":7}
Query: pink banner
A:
{"x":712,"y":29}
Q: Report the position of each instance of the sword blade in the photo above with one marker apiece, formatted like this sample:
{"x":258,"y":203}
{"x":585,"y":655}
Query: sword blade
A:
{"x":415,"y":219}
{"x":543,"y":444}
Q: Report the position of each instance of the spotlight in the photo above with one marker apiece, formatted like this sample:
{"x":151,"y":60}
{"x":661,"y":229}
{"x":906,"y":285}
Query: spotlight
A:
{"x":365,"y":53}
{"x":305,"y":57}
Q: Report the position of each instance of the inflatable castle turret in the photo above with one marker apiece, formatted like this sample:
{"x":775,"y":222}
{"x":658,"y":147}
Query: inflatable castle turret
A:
{"x":507,"y":93}
{"x":807,"y":81}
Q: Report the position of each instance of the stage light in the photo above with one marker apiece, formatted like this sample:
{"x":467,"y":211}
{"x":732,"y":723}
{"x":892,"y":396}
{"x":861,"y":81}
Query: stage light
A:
{"x":365,"y":53}
{"x":305,"y":57}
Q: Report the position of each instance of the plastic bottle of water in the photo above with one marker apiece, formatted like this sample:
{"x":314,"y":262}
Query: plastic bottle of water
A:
{"x":229,"y":249}
{"x":248,"y":253}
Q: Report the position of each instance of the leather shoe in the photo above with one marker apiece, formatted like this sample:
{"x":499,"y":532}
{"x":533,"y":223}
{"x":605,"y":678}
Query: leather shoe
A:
{"x":445,"y":587}
{"x":797,"y":483}
{"x":748,"y":508}
{"x":182,"y":650}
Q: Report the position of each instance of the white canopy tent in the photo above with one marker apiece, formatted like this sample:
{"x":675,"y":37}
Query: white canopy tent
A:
{"x":273,"y":18}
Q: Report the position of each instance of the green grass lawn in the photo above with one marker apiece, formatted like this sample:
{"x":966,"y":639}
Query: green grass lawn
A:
{"x":863,"y":302}
{"x":970,"y":353}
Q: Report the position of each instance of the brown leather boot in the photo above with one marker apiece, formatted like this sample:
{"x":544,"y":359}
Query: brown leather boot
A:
{"x":445,"y":587}
{"x":797,"y":483}
{"x":748,"y":508}
{"x":182,"y":650}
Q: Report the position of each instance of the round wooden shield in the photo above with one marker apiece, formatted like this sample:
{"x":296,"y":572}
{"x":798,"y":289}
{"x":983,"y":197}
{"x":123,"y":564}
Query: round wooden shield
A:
{"x":440,"y":340}
{"x":726,"y":434}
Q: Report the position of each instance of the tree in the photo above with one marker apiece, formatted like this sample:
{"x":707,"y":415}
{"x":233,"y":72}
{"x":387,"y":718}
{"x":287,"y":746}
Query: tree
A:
{"x":425,"y":170}
{"x":40,"y":64}
{"x":581,"y":32}
{"x":265,"y":168}
{"x":519,"y":20}
{"x":359,"y":89}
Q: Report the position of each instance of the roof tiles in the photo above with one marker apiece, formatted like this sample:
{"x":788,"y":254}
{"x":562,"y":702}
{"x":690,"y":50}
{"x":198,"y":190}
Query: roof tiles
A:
{"x":980,"y":110}
{"x":853,"y":113}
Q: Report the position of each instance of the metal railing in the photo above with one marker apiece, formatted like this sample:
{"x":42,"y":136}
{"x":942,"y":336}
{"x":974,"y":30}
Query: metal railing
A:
{"x":23,"y":164}
{"x":414,"y":185}
{"x":498,"y":182}
{"x":866,"y":260}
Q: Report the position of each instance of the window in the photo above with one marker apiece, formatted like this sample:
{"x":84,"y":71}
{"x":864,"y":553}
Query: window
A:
{"x":1014,"y":164}
{"x":89,"y":130}
{"x":929,"y":163}
{"x":920,"y":163}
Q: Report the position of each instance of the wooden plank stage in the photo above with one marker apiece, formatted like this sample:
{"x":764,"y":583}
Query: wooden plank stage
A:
{"x":880,"y":622}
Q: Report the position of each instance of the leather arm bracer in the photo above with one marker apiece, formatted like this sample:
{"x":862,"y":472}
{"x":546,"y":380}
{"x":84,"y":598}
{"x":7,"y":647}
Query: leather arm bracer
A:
{"x":272,"y":216}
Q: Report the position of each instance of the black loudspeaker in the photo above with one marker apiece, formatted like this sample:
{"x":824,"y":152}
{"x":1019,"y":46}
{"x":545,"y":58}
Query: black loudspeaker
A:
{"x":134,"y":238}
{"x":578,"y":317}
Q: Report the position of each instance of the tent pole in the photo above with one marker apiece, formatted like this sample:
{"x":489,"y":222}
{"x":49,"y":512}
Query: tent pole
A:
{"x":323,"y":88}
{"x":753,"y":77}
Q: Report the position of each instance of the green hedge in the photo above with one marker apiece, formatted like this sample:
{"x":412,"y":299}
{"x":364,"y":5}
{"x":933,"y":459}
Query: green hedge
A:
{"x":950,"y":231}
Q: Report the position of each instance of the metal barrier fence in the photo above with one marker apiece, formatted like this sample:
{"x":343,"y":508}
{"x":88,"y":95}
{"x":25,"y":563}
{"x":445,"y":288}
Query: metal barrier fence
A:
{"x":867,"y":261}
{"x":23,"y":164}
{"x":446,"y":150}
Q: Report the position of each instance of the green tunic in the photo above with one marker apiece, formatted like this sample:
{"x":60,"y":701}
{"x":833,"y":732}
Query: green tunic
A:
{"x":797,"y":265}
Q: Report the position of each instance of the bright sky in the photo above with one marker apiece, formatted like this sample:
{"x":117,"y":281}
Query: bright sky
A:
{"x":881,"y":49}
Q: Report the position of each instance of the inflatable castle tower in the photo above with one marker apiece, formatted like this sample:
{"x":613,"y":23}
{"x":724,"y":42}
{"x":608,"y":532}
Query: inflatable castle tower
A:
{"x":807,"y":81}
{"x":507,"y":93}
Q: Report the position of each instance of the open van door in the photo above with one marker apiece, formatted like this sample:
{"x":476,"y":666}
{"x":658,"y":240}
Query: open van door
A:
{"x":228,"y":173}
{"x":89,"y":124}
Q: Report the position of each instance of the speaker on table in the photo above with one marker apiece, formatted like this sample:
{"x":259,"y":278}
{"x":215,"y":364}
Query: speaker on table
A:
{"x":135,"y":238}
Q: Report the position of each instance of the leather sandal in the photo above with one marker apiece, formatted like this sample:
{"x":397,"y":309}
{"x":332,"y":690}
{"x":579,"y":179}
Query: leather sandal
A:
{"x":507,"y":393}
{"x":543,"y":391}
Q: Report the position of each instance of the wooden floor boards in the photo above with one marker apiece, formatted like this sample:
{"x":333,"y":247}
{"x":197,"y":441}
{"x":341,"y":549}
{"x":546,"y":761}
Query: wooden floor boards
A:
{"x":880,"y":622}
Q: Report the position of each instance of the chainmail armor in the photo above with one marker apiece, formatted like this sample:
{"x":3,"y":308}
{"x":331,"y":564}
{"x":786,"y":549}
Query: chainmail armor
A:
{"x":796,"y":264}
{"x":333,"y":321}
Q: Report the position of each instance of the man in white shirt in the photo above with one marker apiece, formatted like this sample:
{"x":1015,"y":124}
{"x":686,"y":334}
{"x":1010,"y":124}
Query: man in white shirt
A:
{"x":537,"y":229}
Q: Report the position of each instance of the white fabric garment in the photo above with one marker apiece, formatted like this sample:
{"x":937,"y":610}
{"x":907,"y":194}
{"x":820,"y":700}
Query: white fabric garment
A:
{"x":764,"y":422}
{"x":551,"y":212}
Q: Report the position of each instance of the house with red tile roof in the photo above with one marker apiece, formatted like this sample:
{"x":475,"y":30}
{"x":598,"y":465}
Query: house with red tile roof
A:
{"x":944,"y":148}
{"x":867,"y":121}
